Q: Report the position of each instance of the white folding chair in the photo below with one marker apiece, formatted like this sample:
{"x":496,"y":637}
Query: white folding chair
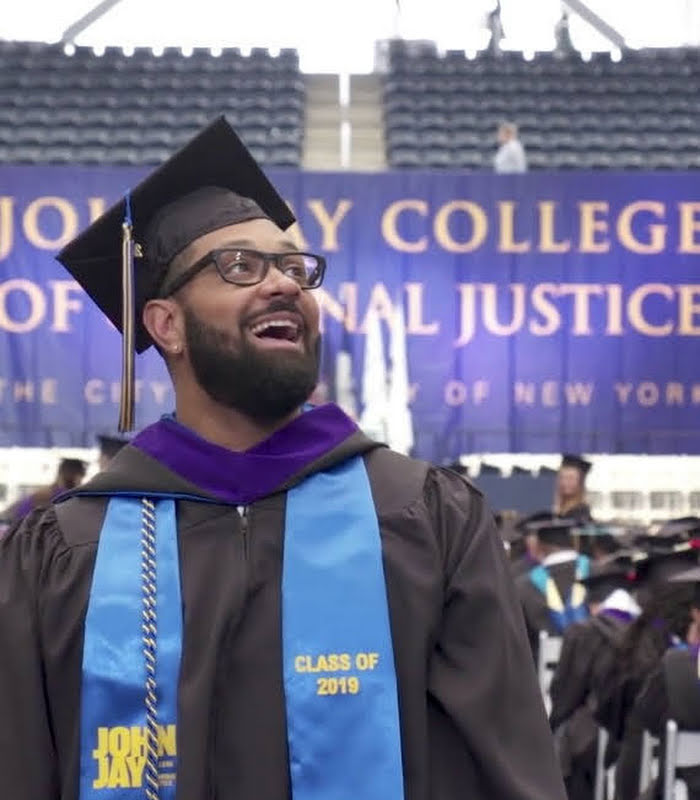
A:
{"x":648,"y":761}
{"x":682,"y":750}
{"x":548,"y":658}
{"x":603,"y":776}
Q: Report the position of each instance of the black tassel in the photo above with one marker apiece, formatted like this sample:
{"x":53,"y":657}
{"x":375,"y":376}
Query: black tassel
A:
{"x":126,"y":403}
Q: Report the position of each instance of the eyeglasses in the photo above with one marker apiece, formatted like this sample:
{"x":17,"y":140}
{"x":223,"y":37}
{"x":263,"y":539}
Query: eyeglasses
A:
{"x":248,"y":267}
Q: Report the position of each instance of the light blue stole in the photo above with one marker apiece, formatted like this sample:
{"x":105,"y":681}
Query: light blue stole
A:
{"x":338,"y":663}
{"x":574,"y":609}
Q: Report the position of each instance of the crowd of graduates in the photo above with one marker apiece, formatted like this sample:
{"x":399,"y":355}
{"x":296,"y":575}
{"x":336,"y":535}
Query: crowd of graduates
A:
{"x":626,"y":603}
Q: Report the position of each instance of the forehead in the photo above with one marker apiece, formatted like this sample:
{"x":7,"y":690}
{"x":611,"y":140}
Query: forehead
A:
{"x":569,"y":470}
{"x":255,"y":234}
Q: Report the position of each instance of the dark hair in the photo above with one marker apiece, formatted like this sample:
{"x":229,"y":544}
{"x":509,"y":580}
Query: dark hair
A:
{"x":666,"y":614}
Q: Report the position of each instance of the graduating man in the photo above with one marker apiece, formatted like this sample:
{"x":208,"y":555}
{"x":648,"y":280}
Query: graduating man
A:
{"x":552,"y":594}
{"x":254,"y":601}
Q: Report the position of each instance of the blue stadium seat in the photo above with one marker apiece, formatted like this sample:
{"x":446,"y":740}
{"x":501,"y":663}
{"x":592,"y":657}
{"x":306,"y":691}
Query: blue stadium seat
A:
{"x":437,"y":158}
{"x":284,"y":157}
{"x":405,"y":157}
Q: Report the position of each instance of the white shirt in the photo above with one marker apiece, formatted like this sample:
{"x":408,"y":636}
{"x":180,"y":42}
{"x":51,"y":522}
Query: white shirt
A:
{"x":510,"y":157}
{"x":559,"y":557}
{"x":621,"y":600}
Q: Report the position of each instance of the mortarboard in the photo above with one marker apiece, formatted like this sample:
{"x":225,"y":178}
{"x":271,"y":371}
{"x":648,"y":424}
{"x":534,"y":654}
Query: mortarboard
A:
{"x":659,"y":566}
{"x":669,"y":534}
{"x":616,"y":571}
{"x":554,"y":530}
{"x":686,"y":527}
{"x":577,"y":462}
{"x":608,"y":536}
{"x":121,"y":260}
{"x":691,"y":575}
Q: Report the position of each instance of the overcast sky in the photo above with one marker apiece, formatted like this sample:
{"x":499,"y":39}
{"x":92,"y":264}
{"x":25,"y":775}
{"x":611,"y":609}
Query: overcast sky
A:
{"x":337,"y":36}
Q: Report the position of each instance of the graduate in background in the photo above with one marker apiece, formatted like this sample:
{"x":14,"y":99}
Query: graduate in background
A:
{"x":69,"y":475}
{"x":109,"y":447}
{"x":570,"y":499}
{"x":589,"y":651}
{"x":524,"y":549}
{"x":664,"y":623}
{"x":601,"y":541}
{"x":672,"y":690}
{"x":551,"y":593}
{"x":254,"y":601}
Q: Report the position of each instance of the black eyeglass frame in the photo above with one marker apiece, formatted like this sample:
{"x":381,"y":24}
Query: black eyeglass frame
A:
{"x":268,"y":258}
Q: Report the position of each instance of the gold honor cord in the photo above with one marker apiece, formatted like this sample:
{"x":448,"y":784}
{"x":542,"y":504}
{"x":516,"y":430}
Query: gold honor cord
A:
{"x":149,"y":628}
{"x":554,"y":599}
{"x":126,"y":403}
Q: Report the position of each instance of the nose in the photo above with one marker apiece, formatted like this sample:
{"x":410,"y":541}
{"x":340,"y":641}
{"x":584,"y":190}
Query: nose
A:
{"x":277,"y":283}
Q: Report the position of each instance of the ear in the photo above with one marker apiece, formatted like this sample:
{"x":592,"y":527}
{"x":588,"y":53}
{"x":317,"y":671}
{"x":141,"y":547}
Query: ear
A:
{"x":163,"y":320}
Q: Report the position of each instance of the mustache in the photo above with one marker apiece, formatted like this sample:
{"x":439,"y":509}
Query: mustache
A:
{"x":276,"y":306}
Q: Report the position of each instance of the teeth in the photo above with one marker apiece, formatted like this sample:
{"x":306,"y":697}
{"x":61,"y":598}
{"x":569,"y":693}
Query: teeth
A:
{"x":261,"y":327}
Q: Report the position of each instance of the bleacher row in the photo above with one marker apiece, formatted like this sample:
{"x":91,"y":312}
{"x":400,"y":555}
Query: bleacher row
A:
{"x":118,"y":109}
{"x":640,"y":113}
{"x":439,"y":111}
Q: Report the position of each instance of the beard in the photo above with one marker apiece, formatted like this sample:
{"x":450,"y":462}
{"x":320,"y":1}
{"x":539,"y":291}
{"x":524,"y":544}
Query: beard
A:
{"x":264,"y":386}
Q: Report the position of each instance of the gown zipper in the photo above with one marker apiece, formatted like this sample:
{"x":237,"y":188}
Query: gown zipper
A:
{"x":243,"y":513}
{"x":213,"y":793}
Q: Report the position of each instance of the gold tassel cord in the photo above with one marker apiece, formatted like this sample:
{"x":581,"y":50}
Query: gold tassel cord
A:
{"x":149,"y":629}
{"x":126,"y":404}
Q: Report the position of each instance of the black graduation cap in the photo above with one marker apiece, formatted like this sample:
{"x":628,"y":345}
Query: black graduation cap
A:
{"x":659,"y":566}
{"x":552,"y":530}
{"x":605,"y":536}
{"x":672,"y":533}
{"x":691,"y":575}
{"x":684,"y":527}
{"x":577,"y":462}
{"x":121,"y":260}
{"x":613,"y":572}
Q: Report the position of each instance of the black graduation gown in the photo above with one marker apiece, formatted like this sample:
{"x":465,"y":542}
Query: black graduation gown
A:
{"x":581,"y":513}
{"x":537,"y":615}
{"x":522,"y":565}
{"x":672,"y":692}
{"x":618,"y":713}
{"x":588,"y":650}
{"x":472,"y":721}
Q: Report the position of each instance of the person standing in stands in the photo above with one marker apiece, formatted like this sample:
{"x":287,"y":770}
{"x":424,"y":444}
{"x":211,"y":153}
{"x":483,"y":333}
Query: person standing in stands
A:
{"x":254,"y":601}
{"x":510,"y":157}
{"x":551,"y":593}
{"x":570,"y":499}
{"x":70,"y":474}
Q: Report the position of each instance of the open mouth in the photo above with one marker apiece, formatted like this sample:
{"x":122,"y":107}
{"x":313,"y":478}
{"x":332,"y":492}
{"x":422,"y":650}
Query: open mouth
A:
{"x":280,"y":330}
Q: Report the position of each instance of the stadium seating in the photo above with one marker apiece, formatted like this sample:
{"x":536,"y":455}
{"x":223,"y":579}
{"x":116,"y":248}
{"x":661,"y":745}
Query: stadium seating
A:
{"x":120,"y":109}
{"x":640,"y":113}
